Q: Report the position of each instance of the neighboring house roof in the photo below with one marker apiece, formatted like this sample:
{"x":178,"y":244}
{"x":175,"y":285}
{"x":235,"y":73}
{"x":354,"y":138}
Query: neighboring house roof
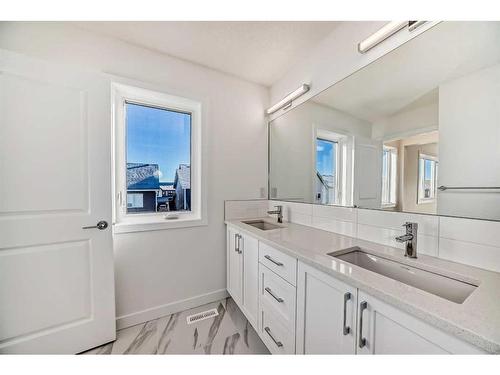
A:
{"x":183,"y":176}
{"x":142,"y":176}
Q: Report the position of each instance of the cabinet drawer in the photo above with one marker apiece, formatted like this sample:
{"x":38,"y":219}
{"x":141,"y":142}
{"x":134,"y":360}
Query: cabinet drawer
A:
{"x":278,"y":295}
{"x":278,"y":262}
{"x":276,"y":336}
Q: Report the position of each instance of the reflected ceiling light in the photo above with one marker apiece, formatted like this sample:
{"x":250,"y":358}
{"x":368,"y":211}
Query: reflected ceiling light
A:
{"x":287,"y":100}
{"x":381,"y":35}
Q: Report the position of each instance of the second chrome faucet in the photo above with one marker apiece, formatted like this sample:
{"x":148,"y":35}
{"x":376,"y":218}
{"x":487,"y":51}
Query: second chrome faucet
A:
{"x":279,"y":212}
{"x":410,"y":239}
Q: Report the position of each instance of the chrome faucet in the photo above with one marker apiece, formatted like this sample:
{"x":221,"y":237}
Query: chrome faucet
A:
{"x":410,"y":239}
{"x":278,"y":211}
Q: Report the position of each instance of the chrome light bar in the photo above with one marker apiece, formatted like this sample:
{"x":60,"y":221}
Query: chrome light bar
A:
{"x":380,"y":35}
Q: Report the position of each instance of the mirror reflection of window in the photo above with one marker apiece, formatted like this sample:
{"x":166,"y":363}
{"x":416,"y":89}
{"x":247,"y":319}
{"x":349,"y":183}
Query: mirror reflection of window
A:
{"x":326,"y":171}
{"x":389,"y":176}
{"x":427,"y":178}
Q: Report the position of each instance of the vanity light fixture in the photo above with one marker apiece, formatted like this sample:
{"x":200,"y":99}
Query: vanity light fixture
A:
{"x":287,"y":100}
{"x":379,"y":36}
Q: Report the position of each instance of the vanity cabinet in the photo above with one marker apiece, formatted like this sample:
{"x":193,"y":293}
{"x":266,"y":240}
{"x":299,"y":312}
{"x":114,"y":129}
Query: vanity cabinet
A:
{"x":295,"y":308}
{"x":243,"y":272}
{"x":326,"y":313}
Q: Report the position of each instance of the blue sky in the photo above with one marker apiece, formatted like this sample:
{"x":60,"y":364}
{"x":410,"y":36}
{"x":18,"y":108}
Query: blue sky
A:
{"x":325,"y":156}
{"x":158,"y":136}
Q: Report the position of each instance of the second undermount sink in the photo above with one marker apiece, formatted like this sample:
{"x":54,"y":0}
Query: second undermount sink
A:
{"x":443,"y":286}
{"x":262,"y":225}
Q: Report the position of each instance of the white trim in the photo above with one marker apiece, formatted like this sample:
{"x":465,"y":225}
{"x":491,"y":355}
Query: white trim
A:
{"x":124,"y":223}
{"x":156,"y":312}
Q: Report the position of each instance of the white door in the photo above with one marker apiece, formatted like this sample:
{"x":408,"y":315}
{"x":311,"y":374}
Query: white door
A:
{"x":326,"y":311}
{"x":250,"y":248}
{"x":56,"y":279}
{"x":234,"y":266}
{"x":367,"y":187}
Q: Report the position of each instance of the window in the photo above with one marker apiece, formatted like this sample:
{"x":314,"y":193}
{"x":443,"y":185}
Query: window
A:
{"x":427,"y":178}
{"x":326,"y":171}
{"x":389,"y":176}
{"x":158,"y":153}
{"x":157,"y":146}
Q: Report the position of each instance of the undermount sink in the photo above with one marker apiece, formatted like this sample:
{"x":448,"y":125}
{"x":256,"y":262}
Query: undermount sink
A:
{"x":443,"y":286}
{"x":262,"y":225}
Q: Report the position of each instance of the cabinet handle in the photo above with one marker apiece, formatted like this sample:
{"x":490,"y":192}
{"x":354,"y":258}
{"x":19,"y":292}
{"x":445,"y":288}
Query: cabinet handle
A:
{"x":272,"y":260}
{"x":347,"y":297}
{"x":361,"y":340}
{"x":239,"y":244}
{"x":267,"y":289}
{"x":236,"y":243}
{"x":279,"y":344}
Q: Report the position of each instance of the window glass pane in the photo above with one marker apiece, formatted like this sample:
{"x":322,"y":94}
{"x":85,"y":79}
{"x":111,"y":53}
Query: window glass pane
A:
{"x":427,"y":179}
{"x":158,"y":159}
{"x":326,"y":171}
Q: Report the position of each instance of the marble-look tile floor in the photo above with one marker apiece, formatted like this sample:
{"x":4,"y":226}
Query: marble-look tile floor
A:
{"x":227,"y":333}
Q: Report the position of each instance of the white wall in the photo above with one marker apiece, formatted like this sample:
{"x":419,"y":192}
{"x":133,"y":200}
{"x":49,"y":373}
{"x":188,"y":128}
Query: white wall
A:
{"x":469,"y":151}
{"x":156,"y":269}
{"x":292,"y":138}
{"x":407,"y":122}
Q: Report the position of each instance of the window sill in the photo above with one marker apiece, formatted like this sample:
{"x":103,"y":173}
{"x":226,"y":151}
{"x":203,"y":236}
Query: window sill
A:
{"x":156,"y":222}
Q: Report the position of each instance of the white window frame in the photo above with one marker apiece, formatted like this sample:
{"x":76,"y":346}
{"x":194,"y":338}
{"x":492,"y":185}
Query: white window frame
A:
{"x":392,"y":177}
{"x":422,"y":200}
{"x":138,"y":222}
{"x":342,"y":167}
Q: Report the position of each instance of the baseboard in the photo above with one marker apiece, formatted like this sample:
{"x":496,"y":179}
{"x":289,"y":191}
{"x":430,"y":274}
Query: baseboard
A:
{"x":156,"y":312}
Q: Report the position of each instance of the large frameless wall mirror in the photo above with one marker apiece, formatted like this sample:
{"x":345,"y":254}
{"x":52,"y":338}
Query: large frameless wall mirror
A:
{"x":418,"y":130}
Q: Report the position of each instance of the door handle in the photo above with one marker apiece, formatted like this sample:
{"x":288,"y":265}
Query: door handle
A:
{"x":236,"y":243}
{"x":362,"y":307}
{"x":101,"y":225}
{"x":346,"y":329}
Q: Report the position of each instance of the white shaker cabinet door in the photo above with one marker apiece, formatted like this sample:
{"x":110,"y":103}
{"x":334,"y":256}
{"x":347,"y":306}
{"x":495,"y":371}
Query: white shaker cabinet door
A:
{"x":326,"y":313}
{"x":383,"y":329}
{"x":250,"y":248}
{"x":234,"y":266}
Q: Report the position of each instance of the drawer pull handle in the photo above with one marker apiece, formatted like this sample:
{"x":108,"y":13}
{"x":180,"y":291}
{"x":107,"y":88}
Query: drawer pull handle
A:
{"x":347,"y":330}
{"x":362,"y":307}
{"x":267,"y":289}
{"x":279,"y":344}
{"x":272,"y":260}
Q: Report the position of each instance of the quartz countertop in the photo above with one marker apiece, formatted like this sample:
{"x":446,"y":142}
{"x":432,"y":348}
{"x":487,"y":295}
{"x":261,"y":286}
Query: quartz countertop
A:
{"x":476,"y":320}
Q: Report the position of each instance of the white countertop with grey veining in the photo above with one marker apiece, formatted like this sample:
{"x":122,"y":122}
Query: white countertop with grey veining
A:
{"x":476,"y":320}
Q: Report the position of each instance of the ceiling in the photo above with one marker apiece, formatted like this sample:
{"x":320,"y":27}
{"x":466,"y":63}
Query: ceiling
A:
{"x":259,"y":52}
{"x":410,"y":75}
